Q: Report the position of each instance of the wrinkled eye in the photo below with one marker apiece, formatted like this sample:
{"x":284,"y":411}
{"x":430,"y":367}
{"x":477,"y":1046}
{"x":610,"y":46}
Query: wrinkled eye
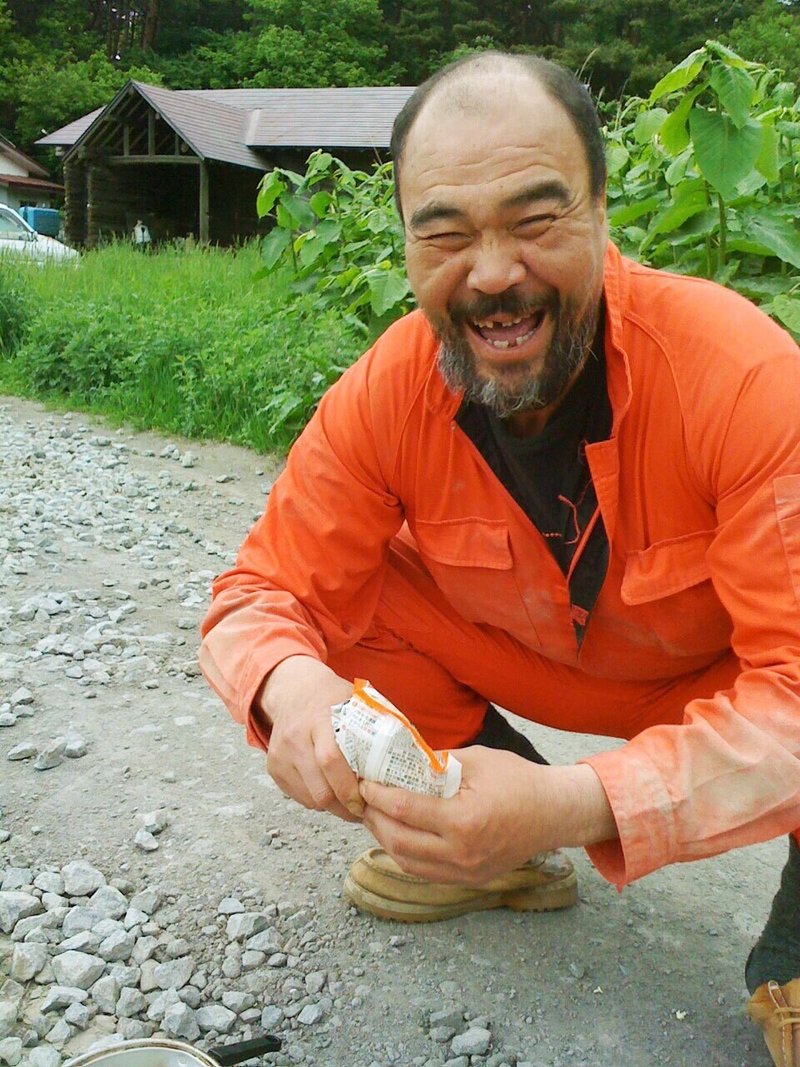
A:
{"x":447,"y":239}
{"x":533,"y":225}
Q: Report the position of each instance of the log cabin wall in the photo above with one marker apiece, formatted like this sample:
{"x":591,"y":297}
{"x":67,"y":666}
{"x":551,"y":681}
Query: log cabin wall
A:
{"x":75,"y":197}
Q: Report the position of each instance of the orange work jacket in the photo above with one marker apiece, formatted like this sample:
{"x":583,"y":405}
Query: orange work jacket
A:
{"x":699,"y":490}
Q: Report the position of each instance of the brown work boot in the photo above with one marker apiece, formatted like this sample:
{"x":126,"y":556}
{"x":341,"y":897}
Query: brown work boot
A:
{"x":376,"y":884}
{"x":776,"y":1009}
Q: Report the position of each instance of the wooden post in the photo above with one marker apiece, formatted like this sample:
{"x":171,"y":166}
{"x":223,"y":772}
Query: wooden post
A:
{"x":151,"y":133}
{"x":204,"y":227}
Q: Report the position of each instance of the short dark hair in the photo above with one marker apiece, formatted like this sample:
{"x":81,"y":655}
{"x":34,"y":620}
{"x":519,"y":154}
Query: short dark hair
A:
{"x":558,"y":82}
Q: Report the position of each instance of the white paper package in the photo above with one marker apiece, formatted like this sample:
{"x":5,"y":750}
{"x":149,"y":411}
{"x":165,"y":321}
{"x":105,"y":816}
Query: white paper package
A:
{"x":381,"y":745}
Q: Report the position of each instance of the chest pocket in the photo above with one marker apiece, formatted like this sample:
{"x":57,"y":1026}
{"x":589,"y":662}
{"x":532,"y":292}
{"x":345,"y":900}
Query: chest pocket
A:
{"x":471,"y":562}
{"x":668,"y":588}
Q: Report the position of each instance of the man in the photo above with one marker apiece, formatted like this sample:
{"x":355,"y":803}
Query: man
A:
{"x":142,"y":237}
{"x":568,"y":485}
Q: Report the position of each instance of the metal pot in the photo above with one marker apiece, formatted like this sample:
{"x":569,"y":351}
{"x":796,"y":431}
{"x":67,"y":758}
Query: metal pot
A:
{"x":154,"y":1052}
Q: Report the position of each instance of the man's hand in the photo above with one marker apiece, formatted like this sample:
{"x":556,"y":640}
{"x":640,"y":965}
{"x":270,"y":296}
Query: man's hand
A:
{"x":303,"y":758}
{"x":506,"y":811}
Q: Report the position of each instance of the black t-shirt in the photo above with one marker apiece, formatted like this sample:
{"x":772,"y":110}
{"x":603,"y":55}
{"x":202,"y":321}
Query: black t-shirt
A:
{"x":549,"y":477}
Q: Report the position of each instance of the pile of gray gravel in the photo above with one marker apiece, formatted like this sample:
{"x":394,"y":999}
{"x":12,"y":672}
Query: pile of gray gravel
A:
{"x":91,"y":961}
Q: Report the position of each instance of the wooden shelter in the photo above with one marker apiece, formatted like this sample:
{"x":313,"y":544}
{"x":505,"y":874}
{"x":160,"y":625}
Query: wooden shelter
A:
{"x":188,"y":162}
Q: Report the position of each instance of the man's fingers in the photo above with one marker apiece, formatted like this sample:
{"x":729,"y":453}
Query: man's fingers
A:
{"x":335,"y":770}
{"x":403,"y":806}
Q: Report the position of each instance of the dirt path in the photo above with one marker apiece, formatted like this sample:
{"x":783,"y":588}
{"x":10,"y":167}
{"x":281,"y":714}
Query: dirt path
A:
{"x":108,"y":541}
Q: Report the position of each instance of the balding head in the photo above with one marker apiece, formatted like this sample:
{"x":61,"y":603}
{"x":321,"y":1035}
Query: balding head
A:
{"x":466,"y":87}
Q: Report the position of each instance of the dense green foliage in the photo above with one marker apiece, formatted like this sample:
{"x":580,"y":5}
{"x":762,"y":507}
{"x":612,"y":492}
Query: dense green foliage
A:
{"x":221,"y":358}
{"x":704,"y":177}
{"x":61,"y":58}
{"x":336,"y":235}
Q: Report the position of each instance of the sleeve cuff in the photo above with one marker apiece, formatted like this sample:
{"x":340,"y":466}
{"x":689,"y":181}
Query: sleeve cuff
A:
{"x":643,"y":812}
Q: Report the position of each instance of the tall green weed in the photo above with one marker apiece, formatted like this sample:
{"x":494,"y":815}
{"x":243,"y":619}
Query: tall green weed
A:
{"x":13,"y":307}
{"x":704,"y":177}
{"x":185,"y":342}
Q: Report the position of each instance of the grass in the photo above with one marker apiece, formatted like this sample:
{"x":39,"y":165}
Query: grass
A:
{"x":183,"y":341}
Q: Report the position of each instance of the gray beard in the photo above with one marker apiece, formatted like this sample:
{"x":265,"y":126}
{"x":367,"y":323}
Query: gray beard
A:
{"x":571,"y":343}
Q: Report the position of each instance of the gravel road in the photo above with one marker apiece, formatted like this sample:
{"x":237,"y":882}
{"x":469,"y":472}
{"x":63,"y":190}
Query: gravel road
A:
{"x":153,"y":880}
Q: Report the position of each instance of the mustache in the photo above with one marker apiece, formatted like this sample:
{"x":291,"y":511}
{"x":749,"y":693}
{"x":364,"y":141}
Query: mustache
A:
{"x":486,"y":306}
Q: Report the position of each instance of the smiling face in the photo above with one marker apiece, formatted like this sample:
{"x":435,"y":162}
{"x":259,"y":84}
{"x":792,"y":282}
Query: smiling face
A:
{"x":504,"y":240}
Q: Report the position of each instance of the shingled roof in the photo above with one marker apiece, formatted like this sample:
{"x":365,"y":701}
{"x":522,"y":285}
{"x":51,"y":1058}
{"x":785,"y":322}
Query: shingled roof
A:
{"x":234,"y":125}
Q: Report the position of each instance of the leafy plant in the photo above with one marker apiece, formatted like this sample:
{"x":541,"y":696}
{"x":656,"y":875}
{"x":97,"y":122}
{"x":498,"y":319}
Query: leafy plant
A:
{"x":337,"y":234}
{"x":224,"y":357}
{"x":13,"y":308}
{"x":704,"y":177}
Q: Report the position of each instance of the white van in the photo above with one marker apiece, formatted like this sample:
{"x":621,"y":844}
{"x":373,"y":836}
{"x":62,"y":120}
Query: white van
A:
{"x":18,"y":239}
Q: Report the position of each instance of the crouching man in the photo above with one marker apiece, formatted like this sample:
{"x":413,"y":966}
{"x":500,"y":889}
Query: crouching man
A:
{"x":567,"y":485}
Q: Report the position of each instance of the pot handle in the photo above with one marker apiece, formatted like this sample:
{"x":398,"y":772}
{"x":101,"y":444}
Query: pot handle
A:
{"x":226,"y":1055}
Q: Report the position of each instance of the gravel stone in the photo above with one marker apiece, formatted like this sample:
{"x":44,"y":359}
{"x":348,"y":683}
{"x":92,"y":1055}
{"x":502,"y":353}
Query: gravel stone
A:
{"x":16,"y":878}
{"x":117,"y":947}
{"x":109,"y":902}
{"x":27,"y":960}
{"x":130,"y":1002}
{"x":216,"y":1017}
{"x":11,"y":1051}
{"x":179,"y":1021}
{"x":147,"y":901}
{"x":80,"y":920}
{"x":105,"y":993}
{"x":81,"y":879}
{"x":59,"y":997}
{"x":50,"y":882}
{"x":8,"y":1017}
{"x":238,"y":1002}
{"x":24,"y":750}
{"x":77,"y":969}
{"x":145,"y":841}
{"x":473,"y":1042}
{"x":174,"y":974}
{"x":230,"y":906}
{"x":15,"y":905}
{"x":44,"y":1056}
{"x":244,"y":925}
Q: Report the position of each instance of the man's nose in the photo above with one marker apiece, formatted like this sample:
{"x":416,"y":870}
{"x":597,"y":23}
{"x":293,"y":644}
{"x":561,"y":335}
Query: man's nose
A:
{"x":496,"y":267}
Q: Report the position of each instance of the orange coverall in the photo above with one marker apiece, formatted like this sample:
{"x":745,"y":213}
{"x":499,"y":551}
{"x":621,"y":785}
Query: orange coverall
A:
{"x":390,"y":550}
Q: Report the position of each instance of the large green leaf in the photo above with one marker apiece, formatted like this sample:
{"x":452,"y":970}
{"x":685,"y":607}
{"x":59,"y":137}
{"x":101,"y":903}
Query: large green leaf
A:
{"x":674,"y":133}
{"x":725,"y":154}
{"x":731,"y":58}
{"x":297,"y":209}
{"x":647,"y":124}
{"x":676,"y":171}
{"x":387,"y":289}
{"x":274,"y":245}
{"x":768,"y":162}
{"x":735,"y":89}
{"x":680,"y":76}
{"x":320,"y":202}
{"x":689,"y":200}
{"x":270,"y":188}
{"x":617,"y":155}
{"x":787,"y":309}
{"x":776,"y":234}
{"x":626,"y":213}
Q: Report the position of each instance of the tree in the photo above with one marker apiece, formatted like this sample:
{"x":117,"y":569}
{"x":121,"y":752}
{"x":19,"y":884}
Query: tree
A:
{"x":770,"y":35}
{"x":298,"y":43}
{"x":49,"y":94}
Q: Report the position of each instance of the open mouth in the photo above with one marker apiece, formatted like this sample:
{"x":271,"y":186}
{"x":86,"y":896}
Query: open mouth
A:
{"x":509,"y":333}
